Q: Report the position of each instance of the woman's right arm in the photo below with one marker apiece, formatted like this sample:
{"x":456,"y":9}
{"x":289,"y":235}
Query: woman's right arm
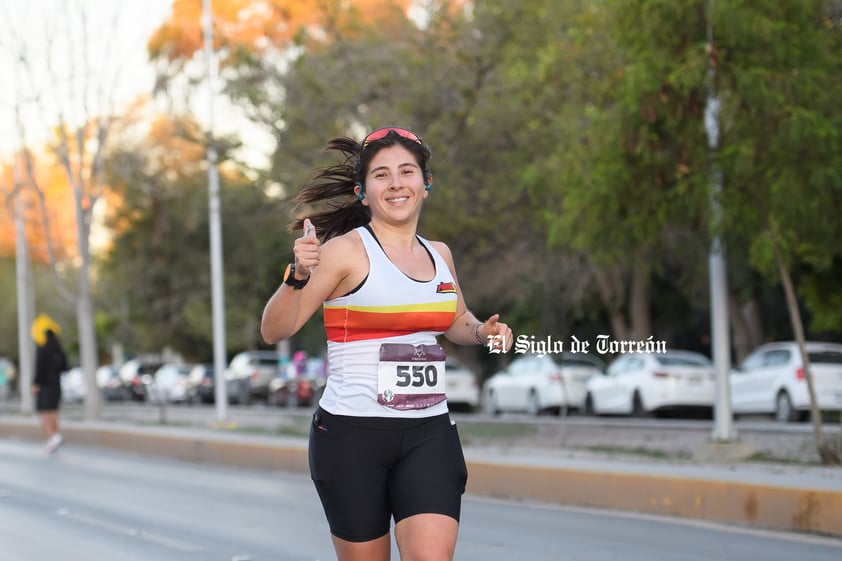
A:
{"x":289,"y":309}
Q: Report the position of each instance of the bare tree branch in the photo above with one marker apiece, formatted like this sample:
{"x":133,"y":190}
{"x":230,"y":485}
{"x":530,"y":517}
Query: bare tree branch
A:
{"x":76,"y":102}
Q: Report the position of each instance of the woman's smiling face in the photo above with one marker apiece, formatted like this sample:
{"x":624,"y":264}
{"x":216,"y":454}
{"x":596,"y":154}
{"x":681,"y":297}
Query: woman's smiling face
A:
{"x":394,"y":184}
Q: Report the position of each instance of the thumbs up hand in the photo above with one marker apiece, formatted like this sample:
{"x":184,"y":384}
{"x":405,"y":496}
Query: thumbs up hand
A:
{"x":307,"y":249}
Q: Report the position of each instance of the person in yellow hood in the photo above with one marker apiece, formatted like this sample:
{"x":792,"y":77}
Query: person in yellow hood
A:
{"x":50,"y":362}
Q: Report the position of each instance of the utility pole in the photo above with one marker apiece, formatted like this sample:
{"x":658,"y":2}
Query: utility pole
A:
{"x":25,"y":349}
{"x":724,"y":431}
{"x":217,"y":284}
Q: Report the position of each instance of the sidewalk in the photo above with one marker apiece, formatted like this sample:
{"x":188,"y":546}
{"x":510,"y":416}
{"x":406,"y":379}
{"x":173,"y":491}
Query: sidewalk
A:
{"x":776,"y":496}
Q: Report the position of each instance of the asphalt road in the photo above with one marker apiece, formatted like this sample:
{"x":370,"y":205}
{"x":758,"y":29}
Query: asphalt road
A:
{"x":95,"y":505}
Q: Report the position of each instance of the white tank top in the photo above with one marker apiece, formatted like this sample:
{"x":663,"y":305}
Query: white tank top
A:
{"x":388,"y":307}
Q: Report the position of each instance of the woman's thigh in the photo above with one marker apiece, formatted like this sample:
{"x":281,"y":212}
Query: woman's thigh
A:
{"x":427,"y":537}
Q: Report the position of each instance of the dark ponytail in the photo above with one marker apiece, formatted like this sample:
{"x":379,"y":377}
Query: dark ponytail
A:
{"x":334,"y":186}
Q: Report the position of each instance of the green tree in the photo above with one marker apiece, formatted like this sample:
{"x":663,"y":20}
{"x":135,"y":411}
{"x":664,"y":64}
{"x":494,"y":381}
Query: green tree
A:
{"x":157,"y":272}
{"x":645,"y":167}
{"x":628,"y":172}
{"x":782,"y":149}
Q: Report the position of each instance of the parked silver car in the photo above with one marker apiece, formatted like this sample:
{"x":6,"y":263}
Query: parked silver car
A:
{"x":249,"y":374}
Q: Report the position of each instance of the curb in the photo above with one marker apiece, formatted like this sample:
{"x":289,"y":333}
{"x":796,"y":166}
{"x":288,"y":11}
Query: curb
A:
{"x":766,"y":506}
{"x":674,"y":492}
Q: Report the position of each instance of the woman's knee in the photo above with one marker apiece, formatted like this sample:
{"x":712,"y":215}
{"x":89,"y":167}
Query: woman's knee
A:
{"x":427,"y":537}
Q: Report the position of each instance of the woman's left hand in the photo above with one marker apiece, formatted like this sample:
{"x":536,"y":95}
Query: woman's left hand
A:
{"x":497,"y":333}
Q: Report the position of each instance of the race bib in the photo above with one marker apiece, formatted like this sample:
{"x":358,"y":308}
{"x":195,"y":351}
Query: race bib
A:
{"x":410,"y":376}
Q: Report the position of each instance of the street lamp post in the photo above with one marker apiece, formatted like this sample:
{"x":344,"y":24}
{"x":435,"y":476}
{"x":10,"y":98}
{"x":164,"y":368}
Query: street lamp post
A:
{"x":724,"y":431}
{"x":217,"y":284}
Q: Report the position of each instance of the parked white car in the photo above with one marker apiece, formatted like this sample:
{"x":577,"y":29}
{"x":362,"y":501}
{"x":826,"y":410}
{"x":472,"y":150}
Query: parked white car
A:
{"x":771,"y":380}
{"x":644,"y":383}
{"x":74,"y":385}
{"x":462,"y":385}
{"x":536,"y":383}
{"x":169,"y":384}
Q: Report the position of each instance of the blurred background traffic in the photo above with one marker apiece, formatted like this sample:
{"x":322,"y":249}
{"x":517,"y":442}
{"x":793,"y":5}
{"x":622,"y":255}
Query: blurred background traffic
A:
{"x":676,"y":384}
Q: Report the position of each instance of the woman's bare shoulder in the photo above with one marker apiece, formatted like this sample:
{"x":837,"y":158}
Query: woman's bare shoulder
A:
{"x":348,"y":242}
{"x":346,"y":257}
{"x":442,"y":248}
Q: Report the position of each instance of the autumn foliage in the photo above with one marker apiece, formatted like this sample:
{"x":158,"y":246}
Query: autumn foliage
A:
{"x":58,"y":198}
{"x":255,"y":25}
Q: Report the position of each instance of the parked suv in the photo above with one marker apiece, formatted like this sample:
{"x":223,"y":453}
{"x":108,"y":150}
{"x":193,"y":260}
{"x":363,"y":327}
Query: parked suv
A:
{"x":248,"y":375}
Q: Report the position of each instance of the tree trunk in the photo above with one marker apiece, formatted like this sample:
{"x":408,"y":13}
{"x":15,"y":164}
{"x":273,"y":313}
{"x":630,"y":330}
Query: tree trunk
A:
{"x":827,"y":453}
{"x":619,"y":327}
{"x":751,"y":311}
{"x":611,"y":290}
{"x":747,"y":324}
{"x":25,"y":301}
{"x":639,"y":305}
{"x":739,"y":325}
{"x":84,"y":302}
{"x":88,"y":348}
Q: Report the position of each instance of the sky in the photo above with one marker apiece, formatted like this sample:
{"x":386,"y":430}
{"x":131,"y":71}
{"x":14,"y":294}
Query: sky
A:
{"x":31,"y":22}
{"x":117,"y":55}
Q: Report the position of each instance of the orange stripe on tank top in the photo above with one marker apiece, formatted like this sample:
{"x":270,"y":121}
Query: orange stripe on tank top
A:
{"x":348,"y":324}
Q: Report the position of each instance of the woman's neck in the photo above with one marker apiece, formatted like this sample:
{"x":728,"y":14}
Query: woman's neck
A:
{"x":401,"y":237}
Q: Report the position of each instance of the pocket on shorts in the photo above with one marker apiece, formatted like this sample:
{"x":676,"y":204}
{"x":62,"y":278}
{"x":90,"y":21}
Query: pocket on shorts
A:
{"x":461,"y":465}
{"x":325,"y":449}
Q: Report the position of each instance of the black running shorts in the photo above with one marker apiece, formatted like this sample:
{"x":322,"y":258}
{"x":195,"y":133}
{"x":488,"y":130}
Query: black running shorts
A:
{"x":368,"y":470}
{"x":48,"y":398}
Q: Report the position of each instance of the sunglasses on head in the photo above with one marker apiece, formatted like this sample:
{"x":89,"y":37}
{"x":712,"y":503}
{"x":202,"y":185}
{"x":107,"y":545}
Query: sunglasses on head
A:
{"x":381,"y":133}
